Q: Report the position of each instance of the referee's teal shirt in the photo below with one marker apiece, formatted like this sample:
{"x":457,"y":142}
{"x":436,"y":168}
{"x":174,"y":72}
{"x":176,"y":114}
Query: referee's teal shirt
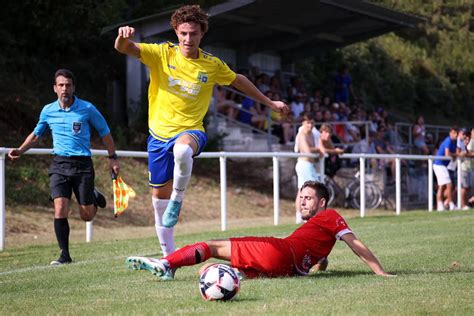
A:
{"x":71,"y":128}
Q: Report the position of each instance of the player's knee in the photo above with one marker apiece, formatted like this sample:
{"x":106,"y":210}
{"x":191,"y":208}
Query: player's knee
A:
{"x":182,"y":152}
{"x":88,"y":213}
{"x":183,"y":156}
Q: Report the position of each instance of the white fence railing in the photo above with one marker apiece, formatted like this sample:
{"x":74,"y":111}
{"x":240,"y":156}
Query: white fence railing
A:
{"x":276,"y":178}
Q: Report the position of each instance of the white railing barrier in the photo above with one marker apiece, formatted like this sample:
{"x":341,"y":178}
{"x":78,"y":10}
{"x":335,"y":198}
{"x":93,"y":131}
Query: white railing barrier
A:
{"x":362,"y":185}
{"x":430,"y":184}
{"x":276,"y":177}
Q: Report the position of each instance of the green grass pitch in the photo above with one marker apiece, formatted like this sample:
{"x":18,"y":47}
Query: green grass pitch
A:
{"x":432,"y":254}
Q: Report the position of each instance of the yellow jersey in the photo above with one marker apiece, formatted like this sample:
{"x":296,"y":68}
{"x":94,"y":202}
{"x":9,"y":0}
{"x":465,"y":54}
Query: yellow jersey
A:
{"x":180,"y":88}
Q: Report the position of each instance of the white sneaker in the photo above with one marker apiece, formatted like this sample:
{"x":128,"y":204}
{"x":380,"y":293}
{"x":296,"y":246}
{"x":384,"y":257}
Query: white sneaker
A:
{"x":452,"y":207}
{"x":440,"y":207}
{"x":465,"y":208}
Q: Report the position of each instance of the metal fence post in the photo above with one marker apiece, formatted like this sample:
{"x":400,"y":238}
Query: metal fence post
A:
{"x":89,"y":231}
{"x":458,"y":184}
{"x":2,"y":199}
{"x":276,"y":191}
{"x":398,"y":187}
{"x":362,"y":186}
{"x":223,"y":174}
{"x":430,"y":184}
{"x":321,"y":169}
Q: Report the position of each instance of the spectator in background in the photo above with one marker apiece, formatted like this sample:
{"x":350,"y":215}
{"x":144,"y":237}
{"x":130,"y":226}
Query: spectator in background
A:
{"x":419,"y":132}
{"x":297,"y":107}
{"x":326,"y":102}
{"x":225,"y":103}
{"x":317,"y":96}
{"x":326,"y":145}
{"x":381,"y":147}
{"x":327,"y":116}
{"x":343,"y":85}
{"x":318,"y":116}
{"x":467,"y":169}
{"x":430,"y":143}
{"x":261,"y":82}
{"x":445,"y":187}
{"x":251,"y":113}
{"x":307,"y":141}
{"x":374,"y":119}
{"x":276,"y":86}
{"x":352,"y":132}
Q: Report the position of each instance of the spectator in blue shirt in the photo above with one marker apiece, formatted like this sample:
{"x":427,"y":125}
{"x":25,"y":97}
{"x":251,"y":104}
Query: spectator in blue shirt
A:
{"x":440,"y":168}
{"x":70,"y":119}
{"x":343,"y":86}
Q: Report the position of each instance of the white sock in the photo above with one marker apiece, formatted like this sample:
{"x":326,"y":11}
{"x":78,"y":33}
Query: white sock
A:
{"x":165,"y":234}
{"x":183,"y":166}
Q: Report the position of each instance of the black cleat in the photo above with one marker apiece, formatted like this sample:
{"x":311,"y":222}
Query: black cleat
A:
{"x":100,"y":200}
{"x":61,"y":260}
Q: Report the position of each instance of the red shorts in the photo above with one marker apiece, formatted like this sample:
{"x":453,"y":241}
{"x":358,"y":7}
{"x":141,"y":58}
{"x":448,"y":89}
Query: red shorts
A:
{"x":262,"y":256}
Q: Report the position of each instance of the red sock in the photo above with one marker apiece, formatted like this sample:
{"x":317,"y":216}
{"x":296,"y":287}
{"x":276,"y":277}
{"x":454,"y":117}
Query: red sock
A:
{"x":189,"y":255}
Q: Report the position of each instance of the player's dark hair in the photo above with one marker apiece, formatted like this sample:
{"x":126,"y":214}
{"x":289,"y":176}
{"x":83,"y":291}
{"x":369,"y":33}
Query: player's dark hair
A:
{"x":65,"y":73}
{"x":320,"y":188}
{"x":190,"y":13}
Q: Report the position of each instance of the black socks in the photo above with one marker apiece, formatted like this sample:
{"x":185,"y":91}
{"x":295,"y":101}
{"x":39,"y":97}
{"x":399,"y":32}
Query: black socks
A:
{"x":61,"y":228}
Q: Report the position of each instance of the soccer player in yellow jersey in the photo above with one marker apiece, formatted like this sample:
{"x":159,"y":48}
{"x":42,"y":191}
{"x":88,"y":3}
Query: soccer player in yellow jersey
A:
{"x":182,"y":78}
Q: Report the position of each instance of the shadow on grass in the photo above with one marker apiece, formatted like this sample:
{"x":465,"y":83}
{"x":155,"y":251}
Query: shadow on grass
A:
{"x":339,"y":274}
{"x":444,"y":271}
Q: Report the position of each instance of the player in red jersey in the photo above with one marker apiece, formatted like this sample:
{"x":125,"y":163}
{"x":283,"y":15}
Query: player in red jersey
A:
{"x":307,"y":247}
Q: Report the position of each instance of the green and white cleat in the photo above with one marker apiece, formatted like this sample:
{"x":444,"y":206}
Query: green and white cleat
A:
{"x":168,"y":275}
{"x":156,"y":267}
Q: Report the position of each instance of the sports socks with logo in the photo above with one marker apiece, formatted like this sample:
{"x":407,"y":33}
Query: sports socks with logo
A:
{"x":183,"y":166}
{"x":189,"y":255}
{"x":165,"y":234}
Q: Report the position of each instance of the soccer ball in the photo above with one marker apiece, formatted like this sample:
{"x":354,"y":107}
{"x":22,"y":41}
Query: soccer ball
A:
{"x":219,"y":282}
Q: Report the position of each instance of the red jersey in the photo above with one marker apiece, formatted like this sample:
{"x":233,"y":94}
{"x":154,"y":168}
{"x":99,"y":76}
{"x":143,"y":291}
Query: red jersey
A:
{"x":316,"y":238}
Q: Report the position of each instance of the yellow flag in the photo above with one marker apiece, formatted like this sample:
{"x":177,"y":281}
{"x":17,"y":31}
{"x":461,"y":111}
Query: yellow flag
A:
{"x":122,"y":192}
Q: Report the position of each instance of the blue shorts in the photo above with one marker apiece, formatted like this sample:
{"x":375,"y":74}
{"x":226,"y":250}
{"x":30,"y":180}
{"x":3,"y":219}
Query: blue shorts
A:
{"x":161,"y":158}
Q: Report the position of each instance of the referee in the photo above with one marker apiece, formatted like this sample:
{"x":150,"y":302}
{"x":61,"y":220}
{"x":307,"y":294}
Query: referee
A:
{"x":70,"y":120}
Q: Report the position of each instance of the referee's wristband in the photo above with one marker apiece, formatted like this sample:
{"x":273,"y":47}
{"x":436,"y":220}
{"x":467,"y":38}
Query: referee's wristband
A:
{"x":113,"y":156}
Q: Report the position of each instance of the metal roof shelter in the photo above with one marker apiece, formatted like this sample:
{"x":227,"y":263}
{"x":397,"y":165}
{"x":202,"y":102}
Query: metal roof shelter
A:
{"x":291,"y":30}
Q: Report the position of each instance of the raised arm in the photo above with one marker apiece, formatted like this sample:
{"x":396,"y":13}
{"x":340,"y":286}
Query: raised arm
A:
{"x":328,"y":148}
{"x":365,"y":254}
{"x":246,"y":86}
{"x":124,"y":44}
{"x":29,"y":142}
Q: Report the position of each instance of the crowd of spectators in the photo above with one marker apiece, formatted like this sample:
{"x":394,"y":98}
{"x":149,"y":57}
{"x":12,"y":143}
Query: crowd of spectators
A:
{"x":340,"y":108}
{"x":354,"y":127}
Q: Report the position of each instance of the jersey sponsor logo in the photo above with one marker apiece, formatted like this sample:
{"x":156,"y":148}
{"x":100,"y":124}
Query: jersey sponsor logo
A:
{"x":171,"y":67}
{"x":76,"y":127}
{"x":183,"y":87}
{"x":202,"y":77}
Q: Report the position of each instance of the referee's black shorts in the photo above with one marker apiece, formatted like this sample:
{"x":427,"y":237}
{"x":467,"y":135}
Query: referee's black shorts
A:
{"x":72,"y":174}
